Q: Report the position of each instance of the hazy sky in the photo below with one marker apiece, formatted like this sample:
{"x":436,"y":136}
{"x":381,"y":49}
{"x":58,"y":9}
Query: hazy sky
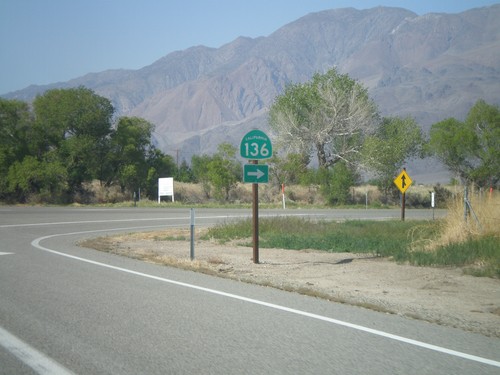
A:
{"x":47,"y":41}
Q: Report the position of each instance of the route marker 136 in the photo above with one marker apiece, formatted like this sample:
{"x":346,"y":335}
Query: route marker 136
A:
{"x":256,"y":145}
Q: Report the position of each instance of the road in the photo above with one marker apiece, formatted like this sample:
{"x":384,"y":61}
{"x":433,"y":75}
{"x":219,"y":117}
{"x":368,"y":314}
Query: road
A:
{"x":66,"y":309}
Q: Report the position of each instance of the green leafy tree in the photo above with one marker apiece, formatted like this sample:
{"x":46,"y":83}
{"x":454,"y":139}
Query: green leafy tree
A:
{"x":31,"y":177}
{"x":470,"y":148}
{"x":199,"y":165}
{"x":160,"y":165}
{"x":185,"y":173}
{"x":130,"y":147}
{"x":224,"y":171}
{"x":289,"y":169}
{"x":484,"y":120}
{"x":395,"y":141}
{"x":77,"y":123}
{"x":64,"y":113}
{"x":15,"y":127}
{"x":337,"y":182}
{"x":330,"y":115}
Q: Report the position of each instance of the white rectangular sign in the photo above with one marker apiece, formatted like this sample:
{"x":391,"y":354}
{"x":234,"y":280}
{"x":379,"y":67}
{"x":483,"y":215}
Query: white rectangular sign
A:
{"x":165,"y":187}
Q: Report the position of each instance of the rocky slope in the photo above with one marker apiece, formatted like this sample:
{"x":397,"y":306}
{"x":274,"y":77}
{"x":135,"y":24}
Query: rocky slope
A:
{"x":431,"y":67}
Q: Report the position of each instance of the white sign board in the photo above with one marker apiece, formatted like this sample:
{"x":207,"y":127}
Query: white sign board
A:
{"x":165,"y":187}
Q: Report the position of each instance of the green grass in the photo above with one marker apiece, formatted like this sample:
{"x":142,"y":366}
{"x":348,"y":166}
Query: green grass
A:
{"x":402,"y":240}
{"x":385,"y":238}
{"x":479,"y":256}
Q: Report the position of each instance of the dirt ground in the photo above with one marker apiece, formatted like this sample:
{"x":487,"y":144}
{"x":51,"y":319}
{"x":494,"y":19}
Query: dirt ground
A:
{"x":442,"y":296}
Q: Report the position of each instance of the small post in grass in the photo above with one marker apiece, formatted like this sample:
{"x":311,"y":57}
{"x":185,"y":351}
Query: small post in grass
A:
{"x":191,"y":253}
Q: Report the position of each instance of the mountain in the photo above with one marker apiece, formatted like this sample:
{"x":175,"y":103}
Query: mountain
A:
{"x":430,"y":67}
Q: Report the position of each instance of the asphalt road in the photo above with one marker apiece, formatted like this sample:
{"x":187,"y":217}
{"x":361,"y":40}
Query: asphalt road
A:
{"x":66,"y":309}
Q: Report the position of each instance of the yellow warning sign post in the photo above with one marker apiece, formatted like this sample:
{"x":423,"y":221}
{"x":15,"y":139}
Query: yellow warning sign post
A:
{"x":403,"y":182}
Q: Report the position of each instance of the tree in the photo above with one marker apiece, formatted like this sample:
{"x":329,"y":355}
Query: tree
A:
{"x":15,"y":126}
{"x":130,"y":147}
{"x":337,"y":182}
{"x":33,"y":177}
{"x":77,"y":123}
{"x":395,"y":141}
{"x":484,"y":120}
{"x":224,"y":171}
{"x":68,"y":139}
{"x":330,"y":115}
{"x":199,"y":165}
{"x":288,"y":169}
{"x":64,"y":113}
{"x":185,"y":173}
{"x":159,"y":165}
{"x":470,"y":148}
{"x":218,"y":173}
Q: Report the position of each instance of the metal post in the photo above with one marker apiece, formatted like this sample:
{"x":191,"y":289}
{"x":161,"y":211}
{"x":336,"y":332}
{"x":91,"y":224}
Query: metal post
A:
{"x":191,"y":253}
{"x":255,"y":220}
{"x":403,"y":203}
{"x":283,"y":195}
{"x":466,"y":201}
{"x":433,"y":203}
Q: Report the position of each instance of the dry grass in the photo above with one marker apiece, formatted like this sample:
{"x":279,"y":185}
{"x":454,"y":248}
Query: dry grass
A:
{"x":456,"y":229}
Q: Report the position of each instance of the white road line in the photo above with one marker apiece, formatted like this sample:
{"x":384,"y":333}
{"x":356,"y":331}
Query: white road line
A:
{"x":36,"y":243}
{"x":89,"y":222}
{"x":38,"y":361}
{"x":6,"y":253}
{"x":187,"y":218}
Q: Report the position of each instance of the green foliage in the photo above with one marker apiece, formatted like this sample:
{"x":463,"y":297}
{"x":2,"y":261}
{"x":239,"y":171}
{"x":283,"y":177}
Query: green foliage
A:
{"x":397,"y":239}
{"x":218,"y":173}
{"x":288,"y":169}
{"x":336,"y":184}
{"x":480,"y":256}
{"x":395,"y":141}
{"x":224,"y":171}
{"x":31,"y":177}
{"x":67,"y":140}
{"x":298,"y":233}
{"x":200,"y":171}
{"x":64,"y":113}
{"x":470,"y":148}
{"x":185,"y":173}
{"x":15,"y":121}
{"x":331,"y":114}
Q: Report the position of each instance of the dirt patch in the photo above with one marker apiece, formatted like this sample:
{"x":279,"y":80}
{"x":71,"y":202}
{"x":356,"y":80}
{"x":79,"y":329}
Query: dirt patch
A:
{"x":442,"y":296}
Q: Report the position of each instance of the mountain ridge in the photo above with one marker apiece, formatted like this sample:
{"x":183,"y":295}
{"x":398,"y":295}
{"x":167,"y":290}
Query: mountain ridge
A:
{"x":430,"y":67}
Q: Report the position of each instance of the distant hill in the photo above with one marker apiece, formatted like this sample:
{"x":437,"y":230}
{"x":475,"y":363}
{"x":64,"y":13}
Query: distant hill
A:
{"x":430,"y":67}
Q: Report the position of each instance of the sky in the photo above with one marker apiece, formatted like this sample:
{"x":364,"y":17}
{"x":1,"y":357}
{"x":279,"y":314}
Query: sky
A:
{"x":48,"y":41}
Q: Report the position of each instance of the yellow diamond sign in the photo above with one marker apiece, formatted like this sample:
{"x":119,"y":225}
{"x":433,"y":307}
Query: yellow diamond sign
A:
{"x":403,"y":181}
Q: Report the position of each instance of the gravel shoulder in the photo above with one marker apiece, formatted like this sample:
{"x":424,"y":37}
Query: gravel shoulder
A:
{"x":439,"y":295}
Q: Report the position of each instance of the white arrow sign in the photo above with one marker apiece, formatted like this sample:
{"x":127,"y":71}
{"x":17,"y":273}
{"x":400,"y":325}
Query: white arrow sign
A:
{"x":257,"y":174}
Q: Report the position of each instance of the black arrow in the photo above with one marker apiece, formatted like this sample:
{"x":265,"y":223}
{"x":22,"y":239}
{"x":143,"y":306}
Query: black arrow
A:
{"x":403,"y":181}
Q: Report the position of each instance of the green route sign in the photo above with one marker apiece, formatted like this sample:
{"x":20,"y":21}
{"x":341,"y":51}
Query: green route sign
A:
{"x":256,"y":173}
{"x":256,"y":145}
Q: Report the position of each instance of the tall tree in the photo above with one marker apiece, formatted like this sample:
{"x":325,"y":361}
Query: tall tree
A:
{"x":77,"y":123}
{"x":395,"y":141}
{"x":63,"y":113}
{"x":224,"y":171}
{"x":15,"y":127}
{"x":130,"y":148}
{"x":159,"y":165}
{"x":470,"y":148}
{"x":331,"y":115}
